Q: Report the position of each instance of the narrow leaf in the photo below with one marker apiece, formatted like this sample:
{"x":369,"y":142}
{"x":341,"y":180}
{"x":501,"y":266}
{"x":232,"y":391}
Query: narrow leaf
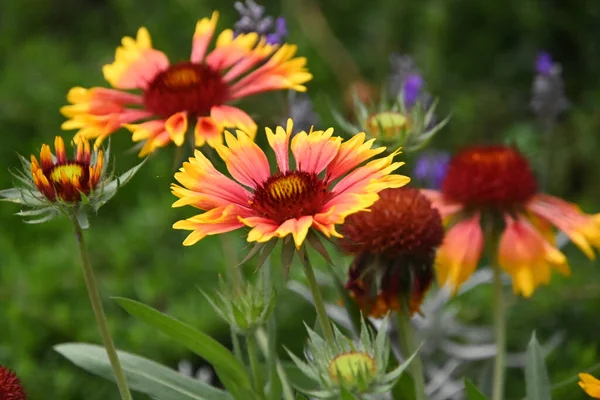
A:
{"x":472,"y":392}
{"x":228,"y":368}
{"x":537,"y":383}
{"x":142,"y":375}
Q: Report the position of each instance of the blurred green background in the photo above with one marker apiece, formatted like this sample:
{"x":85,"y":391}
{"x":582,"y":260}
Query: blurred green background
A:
{"x":477,"y":56}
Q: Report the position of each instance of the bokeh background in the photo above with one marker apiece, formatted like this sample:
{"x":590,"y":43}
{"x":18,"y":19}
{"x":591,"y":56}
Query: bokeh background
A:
{"x":476,"y":56}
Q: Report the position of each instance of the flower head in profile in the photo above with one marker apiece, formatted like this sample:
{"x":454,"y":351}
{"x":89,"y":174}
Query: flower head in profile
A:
{"x":10,"y":386}
{"x":57,"y":184}
{"x":394,"y":246}
{"x":358,"y":367}
{"x":327,"y":183}
{"x":494,"y":186}
{"x":172,"y":97}
{"x":590,"y":385}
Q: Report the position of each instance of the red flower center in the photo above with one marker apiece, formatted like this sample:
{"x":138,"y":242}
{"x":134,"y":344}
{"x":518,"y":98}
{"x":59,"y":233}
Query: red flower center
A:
{"x":69,"y":180}
{"x":290,"y":195}
{"x":491,"y":176}
{"x":186,"y":86}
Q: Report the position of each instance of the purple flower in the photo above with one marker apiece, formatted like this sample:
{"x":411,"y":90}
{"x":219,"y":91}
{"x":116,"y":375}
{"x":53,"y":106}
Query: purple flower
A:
{"x":544,"y":63}
{"x":253,"y":19}
{"x":280,"y":33}
{"x":412,"y":89}
{"x":431,"y":167}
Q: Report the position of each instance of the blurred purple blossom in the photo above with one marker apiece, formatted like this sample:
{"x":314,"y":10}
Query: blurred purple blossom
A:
{"x":430,"y":168}
{"x":406,"y":78}
{"x":253,"y":19}
{"x":543,"y":63}
{"x":412,"y":89}
{"x":548,"y":98}
{"x":280,"y":33}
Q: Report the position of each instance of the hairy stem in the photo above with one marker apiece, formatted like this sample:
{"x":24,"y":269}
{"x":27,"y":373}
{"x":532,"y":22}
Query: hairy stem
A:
{"x":92,"y":289}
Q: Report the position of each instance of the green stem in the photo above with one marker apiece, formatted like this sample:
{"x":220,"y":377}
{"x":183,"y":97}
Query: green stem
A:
{"x":237,"y":350}
{"x":408,"y":346}
{"x":92,"y":288}
{"x":264,"y":344}
{"x":254,"y":364}
{"x":499,"y":335}
{"x":318,"y":299}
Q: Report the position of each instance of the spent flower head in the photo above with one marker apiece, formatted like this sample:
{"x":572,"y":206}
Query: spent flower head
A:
{"x":494,"y":186}
{"x":394,"y":245}
{"x":245,"y":308}
{"x":10,"y":386}
{"x":57,"y":184}
{"x":347,"y":366}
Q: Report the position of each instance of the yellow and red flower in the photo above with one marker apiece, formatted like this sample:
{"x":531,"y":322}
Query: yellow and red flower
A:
{"x":174,"y":96}
{"x":59,"y":178}
{"x":10,"y":386}
{"x":590,"y":385}
{"x":326,"y":185}
{"x":496,"y":183}
{"x":57,"y":185}
{"x":394,"y":246}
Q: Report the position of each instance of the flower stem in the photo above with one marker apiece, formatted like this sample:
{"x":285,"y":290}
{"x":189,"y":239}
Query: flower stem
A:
{"x":92,"y":288}
{"x":318,"y":299}
{"x":264,"y":341}
{"x":408,"y":347}
{"x":499,"y":335}
{"x":254,"y":365}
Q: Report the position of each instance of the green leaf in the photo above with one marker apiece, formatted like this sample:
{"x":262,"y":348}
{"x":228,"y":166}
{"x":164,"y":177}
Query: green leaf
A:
{"x":537,"y":383}
{"x":230,"y":371}
{"x":472,"y":392}
{"x":142,"y":375}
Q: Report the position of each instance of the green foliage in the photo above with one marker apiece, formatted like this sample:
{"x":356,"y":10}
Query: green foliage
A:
{"x":536,"y":376}
{"x":476,"y":57}
{"x":142,"y":374}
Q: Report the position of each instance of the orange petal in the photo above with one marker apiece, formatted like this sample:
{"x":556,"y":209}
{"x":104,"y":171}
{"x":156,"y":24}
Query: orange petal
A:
{"x":205,"y":29}
{"x":265,"y":229}
{"x":136,"y":63}
{"x":232,"y":117}
{"x":215,"y":221}
{"x":281,"y":71}
{"x":582,"y":229}
{"x":245,"y":160}
{"x":438,"y":202}
{"x":339,"y":207}
{"x":459,"y":254}
{"x":590,"y":385}
{"x":351,"y":153}
{"x":209,"y":187}
{"x":315,"y":150}
{"x":256,"y":55}
{"x":46,"y":157}
{"x":280,"y":143}
{"x":229,"y":50}
{"x":177,"y":126}
{"x":61,"y":152}
{"x":527,"y":257}
{"x":208,"y":130}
